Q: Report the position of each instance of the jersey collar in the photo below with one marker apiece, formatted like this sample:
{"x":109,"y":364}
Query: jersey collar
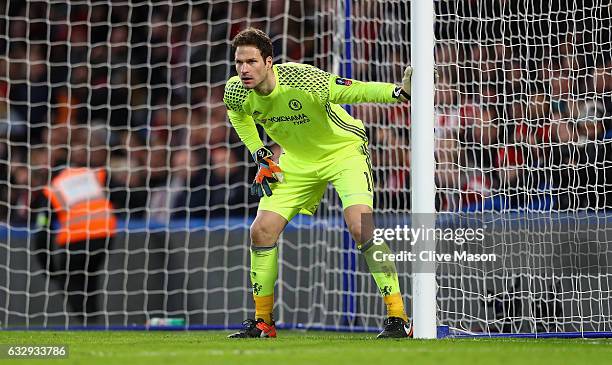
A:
{"x":276,"y":85}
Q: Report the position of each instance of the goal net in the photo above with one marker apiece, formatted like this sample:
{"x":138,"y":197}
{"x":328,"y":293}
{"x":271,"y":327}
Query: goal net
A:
{"x":135,"y":88}
{"x":523,"y":114}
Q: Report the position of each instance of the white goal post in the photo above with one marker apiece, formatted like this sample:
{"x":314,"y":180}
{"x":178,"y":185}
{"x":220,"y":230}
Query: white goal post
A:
{"x":423,"y":165}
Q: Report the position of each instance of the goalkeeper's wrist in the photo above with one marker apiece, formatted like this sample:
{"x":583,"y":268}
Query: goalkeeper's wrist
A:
{"x":261,"y":154}
{"x":400,"y":94}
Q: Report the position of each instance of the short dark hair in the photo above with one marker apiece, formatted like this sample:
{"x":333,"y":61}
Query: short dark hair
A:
{"x":256,"y":38}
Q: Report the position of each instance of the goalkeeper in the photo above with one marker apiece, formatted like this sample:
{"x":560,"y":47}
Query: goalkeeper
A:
{"x":297,"y":105}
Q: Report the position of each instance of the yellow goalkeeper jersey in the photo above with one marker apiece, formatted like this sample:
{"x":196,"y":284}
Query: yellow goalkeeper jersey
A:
{"x":302,"y":113}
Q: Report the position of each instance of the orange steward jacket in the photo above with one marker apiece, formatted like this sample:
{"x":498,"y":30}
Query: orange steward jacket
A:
{"x":78,"y":199}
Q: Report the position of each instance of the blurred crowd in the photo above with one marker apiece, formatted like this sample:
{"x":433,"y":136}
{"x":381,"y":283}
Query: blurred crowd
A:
{"x":523,"y":100}
{"x":134,"y":88}
{"x":523,"y":108}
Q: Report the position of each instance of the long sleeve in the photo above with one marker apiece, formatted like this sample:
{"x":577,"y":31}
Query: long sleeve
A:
{"x":234,"y":97}
{"x":347,"y":91}
{"x":246,"y":129}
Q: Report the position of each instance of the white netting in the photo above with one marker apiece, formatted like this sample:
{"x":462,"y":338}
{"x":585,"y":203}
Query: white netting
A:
{"x":135,"y":87}
{"x":524,"y":101}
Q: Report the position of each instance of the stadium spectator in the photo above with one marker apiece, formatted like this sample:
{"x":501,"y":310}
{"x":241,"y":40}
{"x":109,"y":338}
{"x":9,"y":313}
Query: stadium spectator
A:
{"x":74,"y":226}
{"x":199,"y":50}
{"x":12,"y":124}
{"x":157,"y":180}
{"x":128,"y":191}
{"x":128,"y":188}
{"x":29,"y":88}
{"x":393,"y":158}
{"x":591,"y":158}
{"x":185,"y":196}
{"x":560,"y":90}
{"x":227,"y":194}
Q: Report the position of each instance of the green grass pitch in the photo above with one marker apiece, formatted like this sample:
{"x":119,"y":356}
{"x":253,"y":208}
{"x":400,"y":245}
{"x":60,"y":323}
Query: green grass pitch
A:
{"x":296,"y":348}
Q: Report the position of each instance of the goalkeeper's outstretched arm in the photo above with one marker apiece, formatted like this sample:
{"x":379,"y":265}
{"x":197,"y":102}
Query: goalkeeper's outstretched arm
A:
{"x":348,"y":91}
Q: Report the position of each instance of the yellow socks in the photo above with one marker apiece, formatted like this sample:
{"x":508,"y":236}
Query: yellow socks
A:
{"x":395,"y":306}
{"x":264,"y":306}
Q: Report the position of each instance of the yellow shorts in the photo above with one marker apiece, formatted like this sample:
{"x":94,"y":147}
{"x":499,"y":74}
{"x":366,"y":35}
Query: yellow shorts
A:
{"x":306,"y":182}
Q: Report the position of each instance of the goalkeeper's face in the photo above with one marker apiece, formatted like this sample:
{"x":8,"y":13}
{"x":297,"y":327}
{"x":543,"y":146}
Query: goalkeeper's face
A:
{"x":252,"y":69}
